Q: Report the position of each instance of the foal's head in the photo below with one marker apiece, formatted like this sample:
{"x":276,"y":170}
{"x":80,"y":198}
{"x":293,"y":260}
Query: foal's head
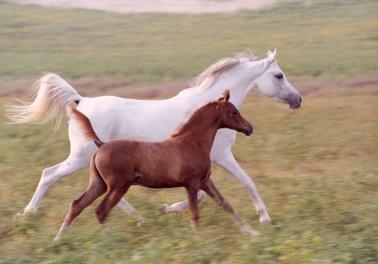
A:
{"x":230,"y":116}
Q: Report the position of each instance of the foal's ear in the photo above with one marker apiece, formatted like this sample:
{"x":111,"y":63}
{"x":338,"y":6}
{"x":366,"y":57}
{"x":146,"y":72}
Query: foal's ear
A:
{"x":225,"y":96}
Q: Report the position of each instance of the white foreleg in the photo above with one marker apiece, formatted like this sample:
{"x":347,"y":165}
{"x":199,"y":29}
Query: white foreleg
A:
{"x":229,"y":163}
{"x":65,"y":168}
{"x":49,"y":177}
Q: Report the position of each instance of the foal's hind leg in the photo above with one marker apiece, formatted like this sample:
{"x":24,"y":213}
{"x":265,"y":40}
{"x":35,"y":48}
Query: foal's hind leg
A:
{"x":213,"y":192}
{"x":95,"y":189}
{"x":111,"y":199}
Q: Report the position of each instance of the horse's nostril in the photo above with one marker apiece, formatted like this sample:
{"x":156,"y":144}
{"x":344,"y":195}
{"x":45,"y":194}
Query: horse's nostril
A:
{"x":300,"y":100}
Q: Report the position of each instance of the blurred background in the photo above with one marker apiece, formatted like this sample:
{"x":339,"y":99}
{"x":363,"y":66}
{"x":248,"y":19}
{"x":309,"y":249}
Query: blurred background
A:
{"x":315,"y":168}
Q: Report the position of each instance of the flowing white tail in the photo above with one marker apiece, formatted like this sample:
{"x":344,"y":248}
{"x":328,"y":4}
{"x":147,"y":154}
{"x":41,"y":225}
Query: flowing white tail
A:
{"x":52,"y":97}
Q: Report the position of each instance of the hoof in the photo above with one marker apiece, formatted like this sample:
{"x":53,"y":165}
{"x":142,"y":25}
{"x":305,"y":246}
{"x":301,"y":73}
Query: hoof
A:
{"x":265,"y":219}
{"x":250,"y":232}
{"x":104,"y":229}
{"x":18,"y":216}
{"x":163,"y":209}
{"x":23,"y":215}
{"x":194,"y":227}
{"x":141,"y":221}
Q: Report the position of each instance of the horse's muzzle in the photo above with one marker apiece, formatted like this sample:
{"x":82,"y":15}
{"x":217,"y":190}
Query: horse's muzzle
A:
{"x":295,"y":101}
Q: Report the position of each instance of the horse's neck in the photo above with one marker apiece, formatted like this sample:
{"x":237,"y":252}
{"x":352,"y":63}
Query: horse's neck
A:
{"x":238,"y":81}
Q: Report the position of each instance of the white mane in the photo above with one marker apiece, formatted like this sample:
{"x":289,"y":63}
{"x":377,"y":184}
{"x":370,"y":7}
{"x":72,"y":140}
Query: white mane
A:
{"x":209,"y":75}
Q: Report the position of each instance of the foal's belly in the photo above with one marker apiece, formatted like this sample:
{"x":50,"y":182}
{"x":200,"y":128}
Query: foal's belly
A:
{"x":171,"y":178}
{"x":157,"y":180}
{"x":158,"y":185}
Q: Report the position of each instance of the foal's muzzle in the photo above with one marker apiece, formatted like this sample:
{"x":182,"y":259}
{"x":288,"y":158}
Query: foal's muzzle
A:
{"x":248,"y":130}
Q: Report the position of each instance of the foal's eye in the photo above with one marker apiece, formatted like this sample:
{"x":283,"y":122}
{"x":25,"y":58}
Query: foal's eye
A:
{"x":279,"y":75}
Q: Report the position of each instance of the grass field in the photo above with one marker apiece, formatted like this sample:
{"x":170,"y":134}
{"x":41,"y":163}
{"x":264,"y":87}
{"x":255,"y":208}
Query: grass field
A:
{"x":337,"y":38}
{"x":315,"y":168}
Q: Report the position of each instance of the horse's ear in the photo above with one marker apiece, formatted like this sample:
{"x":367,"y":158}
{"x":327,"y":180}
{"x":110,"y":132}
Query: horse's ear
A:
{"x":271,"y":57}
{"x":225,"y":96}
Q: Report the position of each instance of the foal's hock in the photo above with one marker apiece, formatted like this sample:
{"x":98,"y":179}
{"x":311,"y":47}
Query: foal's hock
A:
{"x":183,"y":160}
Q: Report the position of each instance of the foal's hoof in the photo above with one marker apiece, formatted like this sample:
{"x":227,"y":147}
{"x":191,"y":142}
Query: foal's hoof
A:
{"x":104,"y":230}
{"x":56,"y":240}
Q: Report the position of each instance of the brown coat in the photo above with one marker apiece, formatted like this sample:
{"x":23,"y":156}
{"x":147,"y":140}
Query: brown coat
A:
{"x":183,"y":160}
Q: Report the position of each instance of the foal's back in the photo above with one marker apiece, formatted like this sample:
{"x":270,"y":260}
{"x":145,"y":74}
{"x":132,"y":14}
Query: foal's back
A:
{"x":170,"y":163}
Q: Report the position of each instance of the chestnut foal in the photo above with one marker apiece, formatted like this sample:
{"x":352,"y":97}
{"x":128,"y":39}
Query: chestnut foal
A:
{"x":183,"y":160}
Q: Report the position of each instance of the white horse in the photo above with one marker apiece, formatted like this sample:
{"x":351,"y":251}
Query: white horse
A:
{"x":115,"y":117}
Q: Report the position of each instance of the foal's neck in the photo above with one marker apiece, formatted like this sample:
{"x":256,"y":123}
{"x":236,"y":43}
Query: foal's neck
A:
{"x":201,"y":128}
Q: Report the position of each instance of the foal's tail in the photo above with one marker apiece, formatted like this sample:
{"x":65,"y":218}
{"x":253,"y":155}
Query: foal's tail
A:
{"x":52,"y":97}
{"x":85,"y":125}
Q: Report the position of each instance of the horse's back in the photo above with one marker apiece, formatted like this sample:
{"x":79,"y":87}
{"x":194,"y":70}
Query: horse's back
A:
{"x":120,"y":118}
{"x":143,"y":120}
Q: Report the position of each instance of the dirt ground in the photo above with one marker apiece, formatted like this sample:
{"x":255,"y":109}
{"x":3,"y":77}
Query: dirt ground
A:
{"x":90,"y":86}
{"x":166,"y":6}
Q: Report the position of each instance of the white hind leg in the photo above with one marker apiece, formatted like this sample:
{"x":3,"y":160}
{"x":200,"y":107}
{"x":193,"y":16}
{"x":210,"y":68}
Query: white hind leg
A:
{"x":50,"y":176}
{"x":128,"y":209}
{"x":180,"y":206}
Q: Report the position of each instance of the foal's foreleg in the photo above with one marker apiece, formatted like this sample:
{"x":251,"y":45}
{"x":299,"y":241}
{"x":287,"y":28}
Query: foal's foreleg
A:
{"x":193,"y":207}
{"x":213,"y":192}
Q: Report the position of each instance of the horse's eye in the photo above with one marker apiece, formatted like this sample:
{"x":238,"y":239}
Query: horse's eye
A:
{"x":279,"y":75}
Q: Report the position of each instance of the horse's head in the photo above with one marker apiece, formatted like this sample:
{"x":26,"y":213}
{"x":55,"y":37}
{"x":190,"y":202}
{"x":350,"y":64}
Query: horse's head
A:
{"x":273,"y":83}
{"x":230,"y":116}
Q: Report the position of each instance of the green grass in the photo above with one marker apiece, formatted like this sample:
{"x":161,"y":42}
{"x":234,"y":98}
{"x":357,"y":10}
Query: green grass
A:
{"x":330,"y":39}
{"x":315,"y":169}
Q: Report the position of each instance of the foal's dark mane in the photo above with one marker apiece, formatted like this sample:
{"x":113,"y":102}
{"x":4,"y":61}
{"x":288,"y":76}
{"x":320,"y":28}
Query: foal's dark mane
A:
{"x":194,"y":118}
